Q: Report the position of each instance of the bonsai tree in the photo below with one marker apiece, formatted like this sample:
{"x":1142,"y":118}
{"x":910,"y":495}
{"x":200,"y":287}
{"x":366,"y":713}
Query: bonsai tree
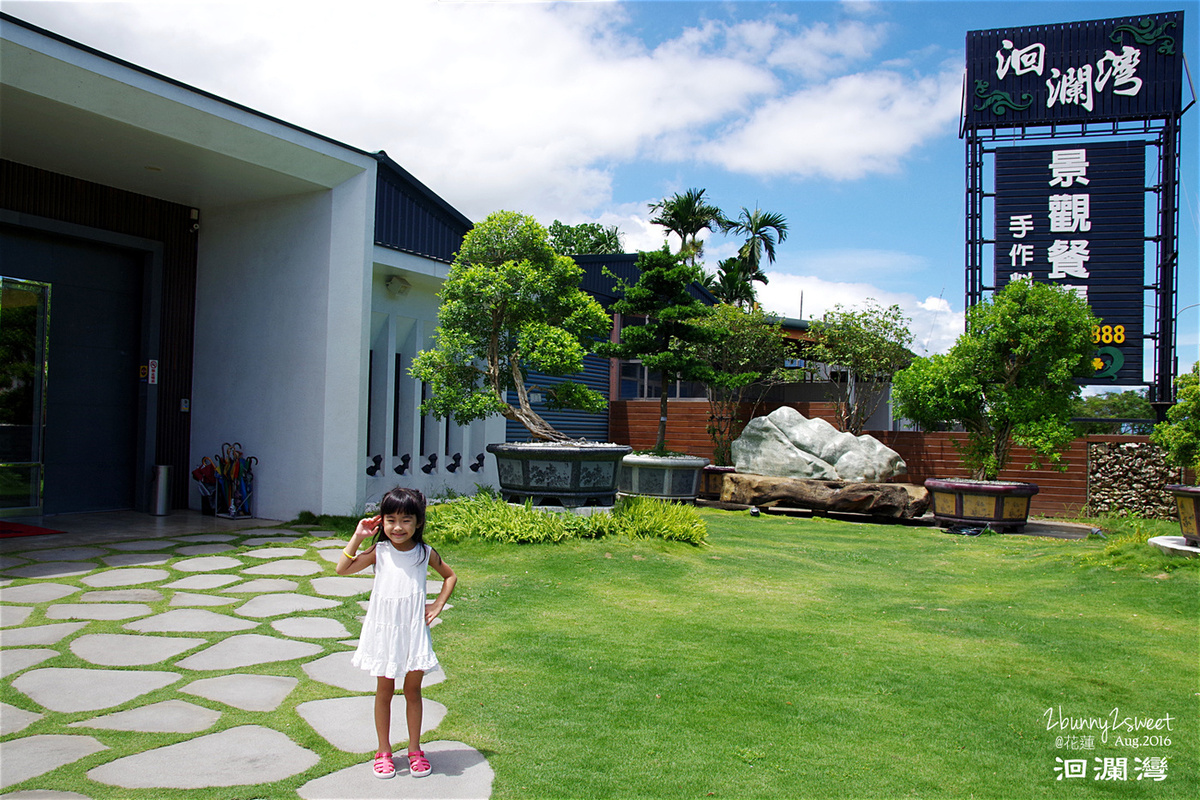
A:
{"x":510,"y":305}
{"x":1011,"y":377}
{"x":664,"y":342}
{"x":745,"y":351}
{"x":1180,"y":434}
{"x":863,"y":349}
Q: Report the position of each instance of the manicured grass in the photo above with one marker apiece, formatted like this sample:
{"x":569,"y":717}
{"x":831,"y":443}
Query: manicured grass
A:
{"x":816,"y":658}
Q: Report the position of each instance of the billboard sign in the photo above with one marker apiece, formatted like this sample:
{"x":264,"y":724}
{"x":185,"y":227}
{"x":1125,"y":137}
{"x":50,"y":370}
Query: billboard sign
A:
{"x":1098,"y":71}
{"x":1074,"y":215}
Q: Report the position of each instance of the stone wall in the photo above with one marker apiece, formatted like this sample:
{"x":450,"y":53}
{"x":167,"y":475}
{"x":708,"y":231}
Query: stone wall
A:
{"x":1127,"y":477}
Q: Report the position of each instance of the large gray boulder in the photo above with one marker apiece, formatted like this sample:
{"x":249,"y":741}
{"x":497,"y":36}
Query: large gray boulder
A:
{"x":787,"y":444}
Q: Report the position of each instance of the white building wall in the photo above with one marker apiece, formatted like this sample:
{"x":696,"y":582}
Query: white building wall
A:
{"x":403,"y":323}
{"x":281,"y":327}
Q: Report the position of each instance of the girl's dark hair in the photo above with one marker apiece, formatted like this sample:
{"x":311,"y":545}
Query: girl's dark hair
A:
{"x":408,"y":502}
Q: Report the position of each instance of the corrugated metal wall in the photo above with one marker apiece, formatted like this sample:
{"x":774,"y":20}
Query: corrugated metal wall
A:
{"x":409,"y":217}
{"x":576,"y":424}
{"x":28,"y":190}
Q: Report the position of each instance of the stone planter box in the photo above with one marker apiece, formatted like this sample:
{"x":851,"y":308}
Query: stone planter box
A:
{"x":999,"y":505}
{"x":570,"y":475}
{"x":667,"y":477}
{"x":1187,"y":500}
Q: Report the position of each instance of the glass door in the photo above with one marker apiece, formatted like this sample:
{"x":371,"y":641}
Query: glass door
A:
{"x":24,"y":327}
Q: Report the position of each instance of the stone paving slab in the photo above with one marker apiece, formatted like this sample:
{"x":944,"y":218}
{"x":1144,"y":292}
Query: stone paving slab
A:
{"x":143,"y":544}
{"x":109,"y":611}
{"x":272,"y":605}
{"x":332,"y":556}
{"x":138,"y":559}
{"x":338,"y":543}
{"x":263,"y":585}
{"x":71,"y":690}
{"x":202,"y":582}
{"x":39,"y":634}
{"x":342,"y":586}
{"x":18,"y":660}
{"x":13,"y":615}
{"x":336,"y":670}
{"x":44,"y":794}
{"x":64,"y":554}
{"x":310,"y":628}
{"x":275,"y":552}
{"x":245,"y":650}
{"x":11,"y":561}
{"x":206,"y":537}
{"x":128,"y":650}
{"x":294,"y":566}
{"x":53,"y":569}
{"x":247,"y":692}
{"x":207,"y":564}
{"x":189,"y":599}
{"x":194,"y":620}
{"x":122,"y":596}
{"x":245,"y":755}
{"x":283,"y":538}
{"x":169,"y":716}
{"x":345,"y":722}
{"x":36,"y":755}
{"x":125,"y":577}
{"x":205,"y":549}
{"x":13,"y":719}
{"x":460,"y":772}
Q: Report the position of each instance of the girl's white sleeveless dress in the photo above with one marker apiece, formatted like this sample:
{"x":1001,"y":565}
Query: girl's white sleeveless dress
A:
{"x":395,"y":639}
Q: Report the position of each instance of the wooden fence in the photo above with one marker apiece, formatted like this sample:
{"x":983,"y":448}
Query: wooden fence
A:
{"x":928,"y":455}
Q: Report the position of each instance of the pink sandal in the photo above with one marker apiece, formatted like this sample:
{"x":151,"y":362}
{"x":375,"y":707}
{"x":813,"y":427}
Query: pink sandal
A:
{"x":384,"y":768}
{"x":418,"y":764}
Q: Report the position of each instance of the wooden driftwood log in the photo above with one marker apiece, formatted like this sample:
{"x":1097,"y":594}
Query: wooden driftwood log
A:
{"x":897,"y":500}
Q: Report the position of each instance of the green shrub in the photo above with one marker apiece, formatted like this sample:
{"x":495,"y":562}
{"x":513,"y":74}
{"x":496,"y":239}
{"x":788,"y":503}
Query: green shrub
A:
{"x":490,"y":519}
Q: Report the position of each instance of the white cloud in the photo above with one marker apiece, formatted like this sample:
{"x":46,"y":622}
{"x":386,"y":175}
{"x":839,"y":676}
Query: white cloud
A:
{"x":847,"y":128}
{"x":935,"y":325}
{"x":531,"y":105}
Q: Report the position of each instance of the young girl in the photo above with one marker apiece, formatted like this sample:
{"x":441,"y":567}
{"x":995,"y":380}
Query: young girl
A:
{"x":395,"y":634}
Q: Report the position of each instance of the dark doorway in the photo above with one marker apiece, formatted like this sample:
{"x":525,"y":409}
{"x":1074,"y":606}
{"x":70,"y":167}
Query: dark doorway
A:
{"x":94,"y":325}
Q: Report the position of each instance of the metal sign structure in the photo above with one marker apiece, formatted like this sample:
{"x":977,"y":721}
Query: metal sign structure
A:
{"x":1109,"y":89}
{"x":1074,"y":215}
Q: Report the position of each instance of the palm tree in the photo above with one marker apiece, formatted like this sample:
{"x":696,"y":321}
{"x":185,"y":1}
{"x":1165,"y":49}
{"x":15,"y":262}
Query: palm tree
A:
{"x":686,"y":215}
{"x":763,"y":230}
{"x":729,"y":284}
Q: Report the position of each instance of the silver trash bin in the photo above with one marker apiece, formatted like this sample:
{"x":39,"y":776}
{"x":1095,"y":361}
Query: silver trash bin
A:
{"x":160,"y":490}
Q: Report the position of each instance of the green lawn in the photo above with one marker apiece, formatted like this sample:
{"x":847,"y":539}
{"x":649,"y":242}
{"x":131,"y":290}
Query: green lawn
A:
{"x":818,"y":658}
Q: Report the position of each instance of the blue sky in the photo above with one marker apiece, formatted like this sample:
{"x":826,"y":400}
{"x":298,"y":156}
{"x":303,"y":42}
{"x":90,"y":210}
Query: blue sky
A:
{"x":843,"y":116}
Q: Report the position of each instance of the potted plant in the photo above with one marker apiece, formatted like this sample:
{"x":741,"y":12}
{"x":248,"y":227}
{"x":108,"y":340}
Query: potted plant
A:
{"x":510,"y":306}
{"x":665,"y":344}
{"x":1010,"y":378}
{"x":1179,"y":435}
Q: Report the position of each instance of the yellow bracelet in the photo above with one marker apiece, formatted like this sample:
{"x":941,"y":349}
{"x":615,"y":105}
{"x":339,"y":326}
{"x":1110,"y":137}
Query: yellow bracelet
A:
{"x":350,"y":556}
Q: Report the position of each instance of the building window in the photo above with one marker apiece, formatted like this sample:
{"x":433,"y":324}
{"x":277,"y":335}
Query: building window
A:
{"x":639,"y":383}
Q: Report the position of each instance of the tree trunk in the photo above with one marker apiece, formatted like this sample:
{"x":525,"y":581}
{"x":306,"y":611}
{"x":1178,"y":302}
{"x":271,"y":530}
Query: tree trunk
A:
{"x":661,"y":444}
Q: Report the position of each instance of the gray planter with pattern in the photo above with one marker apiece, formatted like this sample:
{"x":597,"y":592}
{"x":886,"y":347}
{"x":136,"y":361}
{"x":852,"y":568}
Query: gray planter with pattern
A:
{"x":570,"y":475}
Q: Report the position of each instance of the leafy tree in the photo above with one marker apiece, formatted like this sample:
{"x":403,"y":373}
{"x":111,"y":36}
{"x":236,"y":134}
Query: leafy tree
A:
{"x":863,"y":349}
{"x":510,"y":305}
{"x":745,"y":351}
{"x":586,"y":238}
{"x":729,"y":285}
{"x":1011,"y":377}
{"x":665,"y":344}
{"x":1116,"y":406}
{"x":685,"y":215}
{"x":1180,"y":434}
{"x":762,"y":229}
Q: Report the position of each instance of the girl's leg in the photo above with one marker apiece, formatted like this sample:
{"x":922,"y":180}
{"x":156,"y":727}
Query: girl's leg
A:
{"x":413,"y":708}
{"x":385,"y":688}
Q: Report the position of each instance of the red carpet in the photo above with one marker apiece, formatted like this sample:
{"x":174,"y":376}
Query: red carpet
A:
{"x":8,"y":529}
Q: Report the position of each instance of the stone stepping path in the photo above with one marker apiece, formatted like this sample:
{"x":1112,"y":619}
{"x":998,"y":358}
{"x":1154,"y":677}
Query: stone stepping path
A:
{"x":249,"y":608}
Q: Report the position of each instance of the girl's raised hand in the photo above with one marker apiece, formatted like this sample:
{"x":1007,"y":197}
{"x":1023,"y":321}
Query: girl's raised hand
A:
{"x":367,"y":528}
